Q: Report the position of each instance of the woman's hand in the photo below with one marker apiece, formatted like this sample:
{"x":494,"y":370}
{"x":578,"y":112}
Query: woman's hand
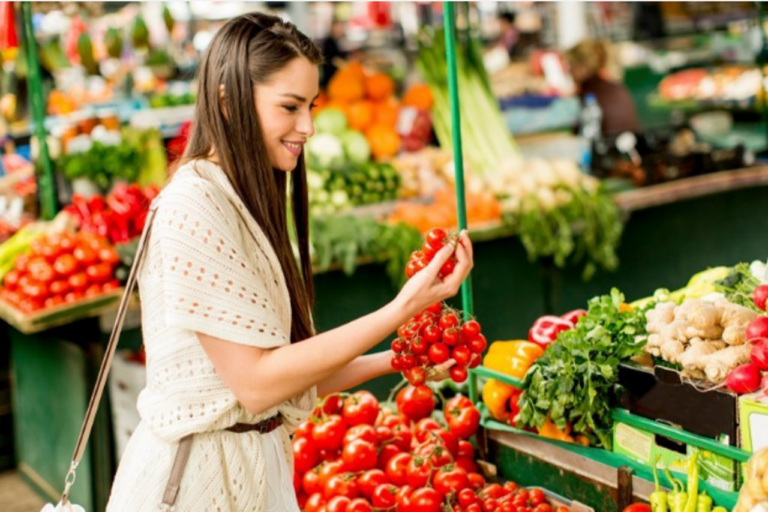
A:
{"x":440,"y":372}
{"x":426,"y":287}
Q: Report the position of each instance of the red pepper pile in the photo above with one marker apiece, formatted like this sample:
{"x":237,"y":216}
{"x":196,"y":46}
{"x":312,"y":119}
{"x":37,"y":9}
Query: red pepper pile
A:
{"x":353,"y":456}
{"x":119,"y":217}
{"x":545,"y":330}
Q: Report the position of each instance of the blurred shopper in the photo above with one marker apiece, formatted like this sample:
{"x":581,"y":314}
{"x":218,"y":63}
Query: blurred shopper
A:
{"x":587,"y":62}
{"x":234,"y":364}
{"x":332,"y":50}
{"x":508,"y":33}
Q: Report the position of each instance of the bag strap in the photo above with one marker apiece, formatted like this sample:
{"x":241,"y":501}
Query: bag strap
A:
{"x":106,"y":363}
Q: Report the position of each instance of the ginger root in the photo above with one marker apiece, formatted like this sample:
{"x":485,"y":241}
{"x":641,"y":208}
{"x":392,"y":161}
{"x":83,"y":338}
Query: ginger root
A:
{"x":719,"y":364}
{"x":659,"y":317}
{"x":735,"y":319}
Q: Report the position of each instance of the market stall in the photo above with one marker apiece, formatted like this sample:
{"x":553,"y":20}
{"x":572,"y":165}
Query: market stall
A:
{"x":387,"y":168}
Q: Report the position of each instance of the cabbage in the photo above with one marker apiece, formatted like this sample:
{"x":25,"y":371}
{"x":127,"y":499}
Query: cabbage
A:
{"x":331,"y":120}
{"x":324,"y":151}
{"x":356,"y":147}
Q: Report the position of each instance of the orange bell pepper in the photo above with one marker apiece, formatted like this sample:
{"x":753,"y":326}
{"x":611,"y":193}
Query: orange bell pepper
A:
{"x":496,"y":397}
{"x":550,"y":430}
{"x":512,"y":358}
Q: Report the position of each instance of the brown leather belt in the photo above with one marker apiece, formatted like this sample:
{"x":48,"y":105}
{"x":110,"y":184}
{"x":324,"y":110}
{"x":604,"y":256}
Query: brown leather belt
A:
{"x":262,"y":427}
{"x":185,"y":446}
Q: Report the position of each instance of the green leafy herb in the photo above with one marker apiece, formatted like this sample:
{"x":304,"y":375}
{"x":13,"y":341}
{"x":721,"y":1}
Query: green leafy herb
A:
{"x":739,"y":286}
{"x":573,"y":382}
{"x":587,"y":229}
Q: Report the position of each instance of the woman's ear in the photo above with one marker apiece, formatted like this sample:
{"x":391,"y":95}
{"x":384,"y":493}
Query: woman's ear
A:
{"x":222,"y":102}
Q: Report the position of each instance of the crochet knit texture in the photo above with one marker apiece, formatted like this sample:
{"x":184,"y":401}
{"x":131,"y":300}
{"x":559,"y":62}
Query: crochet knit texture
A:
{"x":209,"y":269}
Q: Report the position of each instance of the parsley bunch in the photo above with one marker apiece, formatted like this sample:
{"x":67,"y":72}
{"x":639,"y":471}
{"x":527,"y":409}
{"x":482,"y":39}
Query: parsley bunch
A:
{"x":574,"y":381}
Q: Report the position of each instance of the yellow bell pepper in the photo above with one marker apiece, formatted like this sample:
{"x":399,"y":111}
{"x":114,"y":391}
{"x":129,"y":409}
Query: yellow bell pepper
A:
{"x":512,"y":358}
{"x":550,"y":430}
{"x":496,"y":397}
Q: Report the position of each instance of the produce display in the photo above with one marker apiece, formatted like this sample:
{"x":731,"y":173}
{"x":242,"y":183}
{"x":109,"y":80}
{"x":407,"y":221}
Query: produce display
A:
{"x":61,"y":268}
{"x":482,"y":208}
{"x":682,"y":498}
{"x":728,"y":83}
{"x":339,"y":190}
{"x":356,"y":455}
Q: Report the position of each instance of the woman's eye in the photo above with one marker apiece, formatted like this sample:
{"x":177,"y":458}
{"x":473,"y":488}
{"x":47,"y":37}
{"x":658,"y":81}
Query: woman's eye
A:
{"x":291,"y":108}
{"x":313,"y":106}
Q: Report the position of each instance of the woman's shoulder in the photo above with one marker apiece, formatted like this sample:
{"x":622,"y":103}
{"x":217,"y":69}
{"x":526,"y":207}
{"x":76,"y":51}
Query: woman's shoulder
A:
{"x":189,"y":188}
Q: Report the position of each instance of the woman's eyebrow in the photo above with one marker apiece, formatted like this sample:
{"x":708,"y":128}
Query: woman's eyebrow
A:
{"x":297,"y":97}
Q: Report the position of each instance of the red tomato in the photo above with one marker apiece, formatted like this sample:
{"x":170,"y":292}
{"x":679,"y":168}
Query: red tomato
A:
{"x":51,"y":251}
{"x":73,"y":296}
{"x":431,"y":249}
{"x":22,"y":261}
{"x":370,"y":480}
{"x":384,"y":496}
{"x":85,"y":255}
{"x":403,"y":494}
{"x":99,"y":273}
{"x":476,"y":480}
{"x":467,"y":496}
{"x":359,"y":505}
{"x":638,"y":507}
{"x":361,"y":408}
{"x":490,"y":505}
{"x":416,"y":376}
{"x":329,"y":433}
{"x":109,"y":255}
{"x":418,"y":472}
{"x":419,"y":347}
{"x":387,"y":452}
{"x":425,"y":500}
{"x":451,"y":336}
{"x":11,"y":280}
{"x":111,"y":285}
{"x":475,"y":507}
{"x":458,"y":374}
{"x":477,"y":345}
{"x":304,"y":455}
{"x":545,"y":507}
{"x":311,"y":482}
{"x":510,"y":487}
{"x":341,"y":485}
{"x":302,"y":499}
{"x":359,"y":455}
{"x":337,"y":504}
{"x":65,"y":265}
{"x":59,"y":287}
{"x":383,"y":434}
{"x":93,"y":290}
{"x":35,"y":290}
{"x":397,"y":467}
{"x":415,"y":402}
{"x":41,"y":270}
{"x":436,"y":236}
{"x":447,"y":480}
{"x":315,"y":503}
{"x":52,"y":302}
{"x":304,"y":430}
{"x":439,"y":353}
{"x":432,"y":334}
{"x":79,"y":281}
{"x":466,"y":449}
{"x":402,"y":437}
{"x":448,"y":320}
{"x":536,"y":497}
{"x":461,"y":355}
{"x":467,"y":464}
{"x":447,"y":268}
{"x":462,"y":421}
{"x":329,"y":470}
{"x":363,"y":432}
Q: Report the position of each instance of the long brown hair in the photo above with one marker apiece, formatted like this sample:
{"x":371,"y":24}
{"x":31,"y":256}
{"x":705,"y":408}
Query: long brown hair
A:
{"x":245,"y":52}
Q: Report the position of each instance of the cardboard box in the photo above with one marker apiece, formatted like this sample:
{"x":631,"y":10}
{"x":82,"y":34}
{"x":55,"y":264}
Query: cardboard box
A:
{"x":660,"y":394}
{"x":753,"y":410}
{"x":643,"y":447}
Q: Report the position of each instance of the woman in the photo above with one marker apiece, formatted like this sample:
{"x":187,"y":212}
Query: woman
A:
{"x":232,"y":357}
{"x":587,"y":62}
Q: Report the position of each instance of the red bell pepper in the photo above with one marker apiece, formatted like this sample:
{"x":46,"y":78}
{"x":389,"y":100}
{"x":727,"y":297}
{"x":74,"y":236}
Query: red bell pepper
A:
{"x":573,"y":316}
{"x":546,"y":329}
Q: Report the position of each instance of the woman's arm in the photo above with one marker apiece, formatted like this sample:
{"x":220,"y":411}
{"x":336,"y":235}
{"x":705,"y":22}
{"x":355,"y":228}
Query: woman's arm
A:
{"x":360,"y":370}
{"x":264,"y":378}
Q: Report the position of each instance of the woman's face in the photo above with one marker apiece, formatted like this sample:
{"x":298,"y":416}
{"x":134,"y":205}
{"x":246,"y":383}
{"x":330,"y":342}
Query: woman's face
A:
{"x":284,"y":106}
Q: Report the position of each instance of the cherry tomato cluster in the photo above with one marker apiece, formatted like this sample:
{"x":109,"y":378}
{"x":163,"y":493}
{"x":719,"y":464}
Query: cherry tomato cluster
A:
{"x":353,"y":456}
{"x":434,"y":336}
{"x":433,"y":242}
{"x":59,"y":269}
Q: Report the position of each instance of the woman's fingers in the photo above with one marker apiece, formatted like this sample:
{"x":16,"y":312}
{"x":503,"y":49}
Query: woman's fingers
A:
{"x":467,"y":243}
{"x":440,"y":258}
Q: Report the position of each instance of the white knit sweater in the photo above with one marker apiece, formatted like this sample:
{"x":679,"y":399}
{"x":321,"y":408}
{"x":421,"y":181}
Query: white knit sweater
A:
{"x":209,"y":269}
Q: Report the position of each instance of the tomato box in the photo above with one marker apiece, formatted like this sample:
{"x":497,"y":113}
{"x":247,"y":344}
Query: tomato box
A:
{"x":659,"y":393}
{"x":644,"y":447}
{"x":753,"y":410}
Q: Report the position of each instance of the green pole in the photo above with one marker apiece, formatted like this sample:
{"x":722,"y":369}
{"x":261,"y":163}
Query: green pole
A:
{"x":45,"y":183}
{"x":458,"y":157}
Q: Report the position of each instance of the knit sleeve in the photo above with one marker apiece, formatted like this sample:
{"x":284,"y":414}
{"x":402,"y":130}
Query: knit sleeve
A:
{"x":210,"y":284}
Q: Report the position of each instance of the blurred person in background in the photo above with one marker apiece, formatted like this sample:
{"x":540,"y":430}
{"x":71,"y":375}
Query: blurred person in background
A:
{"x":508,"y":33}
{"x":332,"y":51}
{"x":588,"y":63}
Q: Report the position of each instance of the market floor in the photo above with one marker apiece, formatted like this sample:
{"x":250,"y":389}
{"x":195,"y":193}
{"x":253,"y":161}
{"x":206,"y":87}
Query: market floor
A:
{"x":15,"y":496}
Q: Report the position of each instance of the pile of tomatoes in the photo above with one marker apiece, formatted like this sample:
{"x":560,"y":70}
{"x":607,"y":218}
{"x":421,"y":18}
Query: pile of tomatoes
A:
{"x":59,"y":269}
{"x":434,"y":336}
{"x":353,"y":456}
